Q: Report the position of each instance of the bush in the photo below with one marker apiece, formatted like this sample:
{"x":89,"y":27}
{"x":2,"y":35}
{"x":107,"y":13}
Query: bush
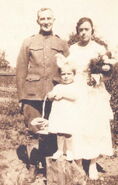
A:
{"x":9,"y":108}
{"x":7,"y":80}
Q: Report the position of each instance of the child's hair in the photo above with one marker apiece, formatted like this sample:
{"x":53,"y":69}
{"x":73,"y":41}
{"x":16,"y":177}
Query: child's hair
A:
{"x":67,"y":66}
{"x":65,"y":62}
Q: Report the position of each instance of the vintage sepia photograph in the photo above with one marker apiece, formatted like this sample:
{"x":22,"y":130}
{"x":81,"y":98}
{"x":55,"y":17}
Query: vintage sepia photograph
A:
{"x":59,"y":92}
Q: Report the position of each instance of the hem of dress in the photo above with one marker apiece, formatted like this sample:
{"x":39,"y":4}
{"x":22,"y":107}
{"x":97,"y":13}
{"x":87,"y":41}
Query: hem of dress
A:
{"x":93,"y":156}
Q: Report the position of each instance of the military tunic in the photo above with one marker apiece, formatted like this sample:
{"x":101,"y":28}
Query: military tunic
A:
{"x":36,"y":73}
{"x":36,"y":66}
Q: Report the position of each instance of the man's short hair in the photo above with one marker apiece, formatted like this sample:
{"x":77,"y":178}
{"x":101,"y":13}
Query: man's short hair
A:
{"x":42,"y":10}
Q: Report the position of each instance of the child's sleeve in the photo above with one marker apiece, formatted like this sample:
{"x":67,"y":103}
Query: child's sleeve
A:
{"x":53,"y":93}
{"x":72,"y":94}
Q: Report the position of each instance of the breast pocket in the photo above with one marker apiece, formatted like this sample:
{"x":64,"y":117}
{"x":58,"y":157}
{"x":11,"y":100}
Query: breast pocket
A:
{"x":33,"y":77}
{"x":56,"y":49}
{"x":36,"y":53}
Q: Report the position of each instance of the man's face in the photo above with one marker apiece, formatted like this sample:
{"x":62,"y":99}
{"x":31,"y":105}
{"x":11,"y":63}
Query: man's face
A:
{"x":46,"y":20}
{"x":85,"y":32}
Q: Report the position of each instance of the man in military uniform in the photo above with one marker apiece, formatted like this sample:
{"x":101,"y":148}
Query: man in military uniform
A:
{"x":36,"y":71}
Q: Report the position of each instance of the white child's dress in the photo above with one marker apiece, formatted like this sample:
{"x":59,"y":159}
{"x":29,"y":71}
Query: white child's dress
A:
{"x":63,"y":116}
{"x":92,"y":135}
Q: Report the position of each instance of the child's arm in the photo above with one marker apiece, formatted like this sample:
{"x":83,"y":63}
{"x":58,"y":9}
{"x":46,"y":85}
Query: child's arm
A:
{"x":54,"y":94}
{"x":71,"y":96}
{"x":51,"y":95}
{"x":58,"y":96}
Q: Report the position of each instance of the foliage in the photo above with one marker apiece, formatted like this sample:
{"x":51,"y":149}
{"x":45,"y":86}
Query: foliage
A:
{"x":9,"y":108}
{"x":11,"y":124}
{"x":7,"y":80}
{"x":3,"y":62}
{"x":73,"y":38}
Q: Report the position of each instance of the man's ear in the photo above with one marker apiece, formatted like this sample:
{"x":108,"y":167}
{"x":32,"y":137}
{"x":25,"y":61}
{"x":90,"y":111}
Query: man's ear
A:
{"x":37,"y":21}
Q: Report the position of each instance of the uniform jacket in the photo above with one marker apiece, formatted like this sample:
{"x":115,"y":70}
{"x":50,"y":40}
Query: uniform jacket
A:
{"x":36,"y":69}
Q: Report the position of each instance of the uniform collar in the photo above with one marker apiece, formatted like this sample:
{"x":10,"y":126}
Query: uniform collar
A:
{"x":46,"y":33}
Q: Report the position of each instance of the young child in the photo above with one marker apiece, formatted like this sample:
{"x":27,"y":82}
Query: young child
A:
{"x":63,"y":114}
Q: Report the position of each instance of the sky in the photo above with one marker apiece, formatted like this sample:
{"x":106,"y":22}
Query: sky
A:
{"x":18,"y":20}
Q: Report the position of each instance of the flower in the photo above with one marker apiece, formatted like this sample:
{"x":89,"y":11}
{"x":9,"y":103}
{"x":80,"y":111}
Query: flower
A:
{"x":97,"y":66}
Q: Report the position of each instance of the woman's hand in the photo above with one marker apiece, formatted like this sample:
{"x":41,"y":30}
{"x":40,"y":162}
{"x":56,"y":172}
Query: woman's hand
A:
{"x":91,"y":81}
{"x":94,"y":80}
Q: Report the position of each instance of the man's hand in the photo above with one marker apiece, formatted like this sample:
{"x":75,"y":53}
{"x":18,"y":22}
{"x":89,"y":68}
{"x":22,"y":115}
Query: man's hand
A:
{"x":20,"y":104}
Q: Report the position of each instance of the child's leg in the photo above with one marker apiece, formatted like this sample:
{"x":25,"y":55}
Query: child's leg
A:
{"x":60,"y":145}
{"x":60,"y":142}
{"x":93,"y":173}
{"x":68,"y":143}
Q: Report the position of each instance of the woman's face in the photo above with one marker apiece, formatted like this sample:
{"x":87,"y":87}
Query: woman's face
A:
{"x":85,"y":32}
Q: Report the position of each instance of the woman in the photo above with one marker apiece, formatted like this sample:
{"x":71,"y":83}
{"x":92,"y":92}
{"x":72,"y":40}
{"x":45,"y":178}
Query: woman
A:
{"x":93,"y":134}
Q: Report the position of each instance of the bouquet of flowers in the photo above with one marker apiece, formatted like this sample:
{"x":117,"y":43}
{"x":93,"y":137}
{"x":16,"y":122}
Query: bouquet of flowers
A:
{"x":98,"y":66}
{"x":101,"y":66}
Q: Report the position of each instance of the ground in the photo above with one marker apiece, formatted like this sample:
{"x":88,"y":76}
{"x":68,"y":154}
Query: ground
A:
{"x":14,"y":172}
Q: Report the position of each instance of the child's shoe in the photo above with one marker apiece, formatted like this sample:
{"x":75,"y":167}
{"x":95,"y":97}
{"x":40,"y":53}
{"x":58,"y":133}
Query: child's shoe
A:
{"x":57,"y":155}
{"x":69,"y":156}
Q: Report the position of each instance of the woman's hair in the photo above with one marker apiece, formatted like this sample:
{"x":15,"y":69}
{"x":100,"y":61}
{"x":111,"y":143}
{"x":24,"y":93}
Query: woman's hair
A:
{"x":81,"y":21}
{"x":75,"y":37}
{"x":99,"y":41}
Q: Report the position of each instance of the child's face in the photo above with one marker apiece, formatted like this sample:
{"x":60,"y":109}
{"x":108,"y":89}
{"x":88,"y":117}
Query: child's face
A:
{"x":67,"y":76}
